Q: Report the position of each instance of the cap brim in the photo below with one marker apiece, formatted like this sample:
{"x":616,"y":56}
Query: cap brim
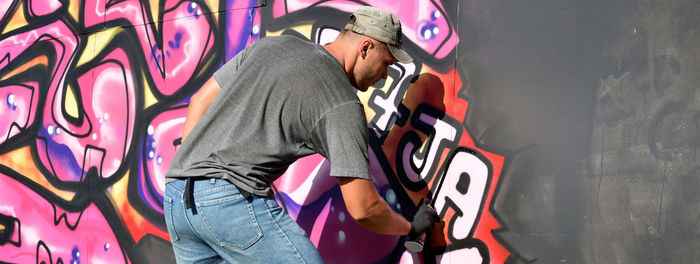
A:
{"x":400,"y":54}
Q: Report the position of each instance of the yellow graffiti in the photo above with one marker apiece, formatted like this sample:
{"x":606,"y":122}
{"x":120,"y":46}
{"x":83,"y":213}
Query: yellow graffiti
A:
{"x":155,"y":14}
{"x":305,"y":30}
{"x":149,"y":98}
{"x":74,"y":9}
{"x":365,"y":96}
{"x":20,"y":160}
{"x":41,"y":60}
{"x":70,"y":103}
{"x":118,"y":190}
{"x":138,"y":226}
{"x":93,"y":46}
{"x":213,"y":7}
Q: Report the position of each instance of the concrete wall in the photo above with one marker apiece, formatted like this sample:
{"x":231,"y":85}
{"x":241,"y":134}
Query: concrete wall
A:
{"x":598,"y":102}
{"x":547,"y":131}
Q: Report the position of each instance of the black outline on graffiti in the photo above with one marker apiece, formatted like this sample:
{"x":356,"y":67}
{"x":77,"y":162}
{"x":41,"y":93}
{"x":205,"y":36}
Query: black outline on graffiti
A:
{"x":469,"y":241}
{"x":79,"y":104}
{"x":31,"y":102}
{"x":11,"y":230}
{"x":39,"y":245}
{"x":31,"y":74}
{"x":92,"y":192}
{"x":72,"y":74}
{"x":140,"y":167}
{"x":92,"y":188}
{"x":403,"y":114}
{"x":413,"y":138}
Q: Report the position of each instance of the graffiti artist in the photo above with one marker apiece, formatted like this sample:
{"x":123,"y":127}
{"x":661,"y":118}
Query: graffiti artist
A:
{"x":280,"y":99}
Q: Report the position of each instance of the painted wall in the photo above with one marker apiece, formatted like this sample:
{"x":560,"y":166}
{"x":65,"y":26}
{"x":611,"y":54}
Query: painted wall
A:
{"x":548,"y":131}
{"x":95,"y":95}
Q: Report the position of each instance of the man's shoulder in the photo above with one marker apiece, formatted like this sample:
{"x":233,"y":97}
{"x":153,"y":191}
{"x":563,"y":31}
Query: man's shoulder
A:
{"x":286,"y":40}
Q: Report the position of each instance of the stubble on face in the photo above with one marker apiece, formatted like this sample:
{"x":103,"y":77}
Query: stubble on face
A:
{"x":374,"y":66}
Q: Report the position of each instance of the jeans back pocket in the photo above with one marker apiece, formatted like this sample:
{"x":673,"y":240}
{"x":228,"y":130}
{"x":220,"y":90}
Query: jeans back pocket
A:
{"x":231,"y":221}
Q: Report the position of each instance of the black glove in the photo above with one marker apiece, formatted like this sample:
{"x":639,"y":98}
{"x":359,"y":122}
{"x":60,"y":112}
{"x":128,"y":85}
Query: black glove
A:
{"x":424,"y":219}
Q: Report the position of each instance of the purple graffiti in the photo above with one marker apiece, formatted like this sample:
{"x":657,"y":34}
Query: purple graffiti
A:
{"x":313,"y":199}
{"x":242,"y":26}
{"x":21,"y":98}
{"x":171,"y":68}
{"x":158,"y":151}
{"x":102,"y":86}
{"x":105,"y":121}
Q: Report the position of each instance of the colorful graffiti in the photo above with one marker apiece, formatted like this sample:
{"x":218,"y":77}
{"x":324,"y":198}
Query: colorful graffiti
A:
{"x":95,"y":94}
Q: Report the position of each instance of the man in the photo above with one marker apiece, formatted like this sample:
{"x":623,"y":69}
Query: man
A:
{"x":278,"y":100}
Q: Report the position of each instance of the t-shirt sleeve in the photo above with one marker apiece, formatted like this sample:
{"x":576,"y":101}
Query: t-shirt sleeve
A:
{"x":341,"y":136}
{"x":224,"y":74}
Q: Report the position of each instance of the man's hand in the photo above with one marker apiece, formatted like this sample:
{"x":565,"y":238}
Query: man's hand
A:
{"x":424,"y":219}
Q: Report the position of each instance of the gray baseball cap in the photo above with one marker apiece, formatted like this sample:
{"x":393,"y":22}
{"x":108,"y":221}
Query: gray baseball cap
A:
{"x":382,"y":26}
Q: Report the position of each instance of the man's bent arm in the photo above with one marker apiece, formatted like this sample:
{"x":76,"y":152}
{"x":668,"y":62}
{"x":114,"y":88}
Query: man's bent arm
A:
{"x":369,"y":209}
{"x":199,"y":103}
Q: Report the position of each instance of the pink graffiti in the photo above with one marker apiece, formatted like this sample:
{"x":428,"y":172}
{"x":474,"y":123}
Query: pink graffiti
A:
{"x":315,"y":202}
{"x":176,"y":43}
{"x":174,"y":54}
{"x":444,"y":132}
{"x":469,"y":255}
{"x":303,"y":181}
{"x":57,"y":33}
{"x":42,"y":8}
{"x":21,"y":99}
{"x":158,"y":152}
{"x":424,"y":22}
{"x":4,"y":5}
{"x":18,"y":107}
{"x":478,"y":173}
{"x":106,"y":121}
{"x":46,"y":229}
{"x":340,"y":233}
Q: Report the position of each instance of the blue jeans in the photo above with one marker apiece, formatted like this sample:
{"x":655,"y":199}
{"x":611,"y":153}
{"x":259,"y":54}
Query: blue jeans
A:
{"x":228,"y":228}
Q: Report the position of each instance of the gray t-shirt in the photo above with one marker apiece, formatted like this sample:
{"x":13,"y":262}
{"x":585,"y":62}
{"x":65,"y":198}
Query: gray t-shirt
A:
{"x":282,"y":98}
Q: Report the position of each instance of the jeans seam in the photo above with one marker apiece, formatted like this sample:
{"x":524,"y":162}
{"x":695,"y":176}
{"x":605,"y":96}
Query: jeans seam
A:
{"x":219,"y":200}
{"x":174,"y":189}
{"x":296,"y":251}
{"x":170,"y":219}
{"x":187,"y":219}
{"x":214,"y":189}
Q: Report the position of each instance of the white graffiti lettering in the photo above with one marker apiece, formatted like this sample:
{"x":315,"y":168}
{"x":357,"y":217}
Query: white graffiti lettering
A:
{"x":465,"y":182}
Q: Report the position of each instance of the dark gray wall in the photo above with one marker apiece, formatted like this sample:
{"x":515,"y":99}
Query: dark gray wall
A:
{"x":596,"y":102}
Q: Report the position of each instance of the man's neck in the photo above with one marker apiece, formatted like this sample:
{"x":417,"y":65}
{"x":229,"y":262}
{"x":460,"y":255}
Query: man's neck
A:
{"x":340,"y":53}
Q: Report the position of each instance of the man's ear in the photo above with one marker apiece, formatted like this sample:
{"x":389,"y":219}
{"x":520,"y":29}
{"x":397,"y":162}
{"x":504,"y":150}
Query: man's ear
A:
{"x":366,"y":45}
